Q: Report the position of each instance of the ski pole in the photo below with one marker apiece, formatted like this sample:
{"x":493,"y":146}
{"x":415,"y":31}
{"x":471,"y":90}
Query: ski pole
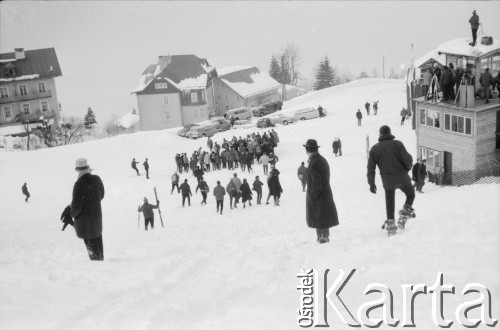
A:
{"x":159,"y":211}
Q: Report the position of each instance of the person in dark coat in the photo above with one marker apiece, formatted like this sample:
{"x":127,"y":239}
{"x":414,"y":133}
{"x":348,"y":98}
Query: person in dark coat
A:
{"x":474,"y":25}
{"x":414,"y":172}
{"x":246,"y":193}
{"x":367,"y":107}
{"x":186,"y":192}
{"x":394,"y":163}
{"x":88,"y":192}
{"x":134,"y":166}
{"x":375,"y":107}
{"x":147,"y":211}
{"x":359,"y":115}
{"x":337,"y":146}
{"x":25,"y":191}
{"x":203,"y":186}
{"x":447,"y":83}
{"x":302,"y":175}
{"x":275,"y":189}
{"x":175,"y":183}
{"x":320,"y":110}
{"x":257,"y":187}
{"x":146,"y":167}
{"x":321,"y":212}
{"x":198,"y":173}
{"x":486,"y":80}
{"x":421,"y":175}
{"x":231,"y":192}
{"x":403,"y":113}
{"x":66,"y":217}
{"x":219,"y":193}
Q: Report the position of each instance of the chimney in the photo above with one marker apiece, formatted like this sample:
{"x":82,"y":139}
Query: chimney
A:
{"x":19,"y":53}
{"x":163,"y":61}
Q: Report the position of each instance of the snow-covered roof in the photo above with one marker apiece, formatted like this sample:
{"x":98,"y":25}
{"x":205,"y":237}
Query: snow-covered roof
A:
{"x":230,"y":69}
{"x":7,"y":60}
{"x":249,"y":81}
{"x":128,"y":120}
{"x":27,"y":77}
{"x":15,"y":129}
{"x":433,"y":54}
{"x":461,"y":46}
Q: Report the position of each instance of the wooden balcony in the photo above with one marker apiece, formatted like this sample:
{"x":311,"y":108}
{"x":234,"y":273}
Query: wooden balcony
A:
{"x":32,"y":95}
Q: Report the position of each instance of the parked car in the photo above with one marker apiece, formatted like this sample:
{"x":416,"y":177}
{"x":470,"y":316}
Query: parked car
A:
{"x":243,"y":123}
{"x":307,"y":113}
{"x":239,"y":113}
{"x":202,"y":130}
{"x":264,"y":122}
{"x":279,"y":118}
{"x":184,"y":130}
{"x":220,"y":123}
{"x":267,"y":108}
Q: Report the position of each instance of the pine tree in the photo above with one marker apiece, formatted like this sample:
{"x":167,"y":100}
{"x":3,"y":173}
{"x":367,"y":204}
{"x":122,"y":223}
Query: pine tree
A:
{"x":325,"y":75}
{"x":363,"y":74}
{"x":89,"y":119}
{"x":275,"y":69}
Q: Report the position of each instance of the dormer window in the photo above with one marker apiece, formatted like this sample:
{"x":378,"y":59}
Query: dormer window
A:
{"x":161,"y":86}
{"x":10,"y":70}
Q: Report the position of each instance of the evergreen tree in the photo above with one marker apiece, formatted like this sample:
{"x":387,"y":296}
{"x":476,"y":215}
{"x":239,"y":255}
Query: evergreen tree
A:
{"x":275,"y":69}
{"x":89,"y":119}
{"x":363,"y":74}
{"x":325,"y":75}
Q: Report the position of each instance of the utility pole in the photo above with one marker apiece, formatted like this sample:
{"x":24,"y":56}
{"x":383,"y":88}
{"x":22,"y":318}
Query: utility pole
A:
{"x":283,"y":86}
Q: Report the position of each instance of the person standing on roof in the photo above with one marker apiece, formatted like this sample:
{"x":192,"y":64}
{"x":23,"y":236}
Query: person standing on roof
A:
{"x":474,"y":25}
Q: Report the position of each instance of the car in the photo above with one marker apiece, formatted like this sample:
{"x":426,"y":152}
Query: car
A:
{"x":243,"y":124}
{"x":220,"y":123}
{"x":267,"y":108}
{"x":264,"y":122}
{"x":202,"y":130}
{"x":239,"y":113}
{"x":279,"y":118}
{"x":184,"y":130}
{"x":307,"y":113}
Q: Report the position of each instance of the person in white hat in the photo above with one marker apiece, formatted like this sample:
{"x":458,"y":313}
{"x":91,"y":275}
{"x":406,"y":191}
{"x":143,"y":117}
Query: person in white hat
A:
{"x":88,"y":192}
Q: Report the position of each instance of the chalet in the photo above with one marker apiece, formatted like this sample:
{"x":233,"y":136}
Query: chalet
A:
{"x":243,"y":86}
{"x":175,"y":92}
{"x":28,"y":90}
{"x":460,"y":140}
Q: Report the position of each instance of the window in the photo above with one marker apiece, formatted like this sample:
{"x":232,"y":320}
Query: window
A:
{"x":26,"y":108}
{"x":167,"y":114}
{"x":165,"y":99}
{"x":44,"y":105}
{"x":194,"y":97}
{"x":203,"y":96}
{"x":429,"y":118}
{"x":4,"y":92}
{"x":195,"y":113}
{"x":432,"y":157}
{"x":41,"y":87}
{"x":23,"y":90}
{"x":161,"y":85}
{"x":7,"y":113}
{"x":458,"y":124}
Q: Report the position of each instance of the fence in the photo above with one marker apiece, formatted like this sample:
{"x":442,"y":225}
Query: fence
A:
{"x":461,"y":178}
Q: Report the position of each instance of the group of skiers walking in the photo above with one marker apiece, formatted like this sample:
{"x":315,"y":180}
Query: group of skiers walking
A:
{"x":359,"y":115}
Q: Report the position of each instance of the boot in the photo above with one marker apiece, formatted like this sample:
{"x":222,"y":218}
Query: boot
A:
{"x":390,"y":226}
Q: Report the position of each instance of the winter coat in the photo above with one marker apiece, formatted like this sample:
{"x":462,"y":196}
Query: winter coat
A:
{"x":24,"y":189}
{"x":336,"y":146}
{"x":359,"y":115}
{"x":243,"y":158}
{"x":264,"y":160}
{"x":422,"y":172}
{"x":427,"y":78}
{"x":192,"y":164}
{"x":219,"y":192}
{"x":198,"y":173}
{"x":207,"y":158}
{"x":185,"y":189}
{"x":231,"y":189}
{"x":257,"y":186}
{"x":273,"y":159}
{"x":403,"y":112}
{"x":231,"y":156}
{"x":275,"y":136}
{"x":447,"y":77}
{"x":210,"y":144}
{"x":393,"y":161}
{"x":302,"y":173}
{"x":146,"y":165}
{"x":88,"y":192}
{"x":474,"y":21}
{"x":134,"y":164}
{"x":274,"y":186}
{"x":375,"y":105}
{"x":414,"y":172}
{"x":66,"y":216}
{"x":237,"y":183}
{"x":175,"y":178}
{"x":147,"y":210}
{"x":246,"y":193}
{"x":486,"y":79}
{"x":203,"y":186}
{"x":367,"y":106}
{"x":321,"y":211}
{"x":185,"y":159}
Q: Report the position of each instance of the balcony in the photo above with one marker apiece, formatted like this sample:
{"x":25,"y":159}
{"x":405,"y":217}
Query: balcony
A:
{"x":32,"y":95}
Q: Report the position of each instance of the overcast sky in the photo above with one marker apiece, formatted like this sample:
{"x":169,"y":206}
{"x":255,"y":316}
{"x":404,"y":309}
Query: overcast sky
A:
{"x":103,"y":47}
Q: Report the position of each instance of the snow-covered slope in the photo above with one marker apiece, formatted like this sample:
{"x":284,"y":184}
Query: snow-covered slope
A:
{"x":238,"y":270}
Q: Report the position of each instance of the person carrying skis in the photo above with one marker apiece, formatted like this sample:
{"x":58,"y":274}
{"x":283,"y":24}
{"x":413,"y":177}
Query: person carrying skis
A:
{"x":66,"y":217}
{"x":257,"y":187}
{"x":394,"y":163}
{"x":134,"y":166}
{"x":147,"y":211}
{"x":219,"y":193}
{"x":246,"y":193}
{"x":146,"y":167}
{"x":175,"y":183}
{"x":25,"y":191}
{"x":367,"y":107}
{"x":203,"y":186}
{"x":321,"y":212}
{"x":359,"y":115}
{"x":186,"y":192}
{"x":302,"y":175}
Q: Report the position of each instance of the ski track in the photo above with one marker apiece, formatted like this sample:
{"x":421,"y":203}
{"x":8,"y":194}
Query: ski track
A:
{"x":237,"y":270}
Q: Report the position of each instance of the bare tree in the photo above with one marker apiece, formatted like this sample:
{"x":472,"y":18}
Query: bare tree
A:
{"x":293,"y":58}
{"x":71,"y":131}
{"x":111,"y":127}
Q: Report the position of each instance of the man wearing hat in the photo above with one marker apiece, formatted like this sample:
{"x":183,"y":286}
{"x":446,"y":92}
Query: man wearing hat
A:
{"x":394,"y":163}
{"x":88,"y":192}
{"x":321,"y":212}
{"x":474,"y":25}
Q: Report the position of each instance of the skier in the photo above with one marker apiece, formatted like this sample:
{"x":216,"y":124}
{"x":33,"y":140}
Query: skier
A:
{"x":367,"y":107}
{"x":257,"y":187}
{"x":403,"y":114}
{"x":375,"y":107}
{"x":186,"y":192}
{"x":88,"y":192}
{"x":337,"y":146}
{"x":146,"y":167}
{"x":202,"y":185}
{"x":231,"y":192}
{"x":219,"y":193}
{"x":134,"y":166}
{"x":147,"y":211}
{"x":474,"y":25}
{"x":264,"y":160}
{"x":66,"y":217}
{"x":175,"y":183}
{"x":394,"y":163}
{"x":321,"y":212}
{"x":359,"y":115}
{"x":246,"y":193}
{"x":320,"y":110}
{"x":25,"y":191}
{"x":302,"y":175}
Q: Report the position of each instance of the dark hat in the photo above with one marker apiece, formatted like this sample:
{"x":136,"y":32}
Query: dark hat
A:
{"x":385,"y":130}
{"x":474,"y":12}
{"x":311,"y":144}
{"x":451,"y":65}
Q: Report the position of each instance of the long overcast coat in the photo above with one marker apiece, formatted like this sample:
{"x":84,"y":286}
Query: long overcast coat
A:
{"x":86,"y":206}
{"x":321,"y":212}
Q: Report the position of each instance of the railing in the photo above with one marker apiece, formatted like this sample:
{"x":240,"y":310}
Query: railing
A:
{"x":461,"y":178}
{"x":33,"y":95}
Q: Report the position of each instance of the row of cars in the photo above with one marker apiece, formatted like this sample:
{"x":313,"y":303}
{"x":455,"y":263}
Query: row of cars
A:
{"x":205,"y":128}
{"x":280,"y":118}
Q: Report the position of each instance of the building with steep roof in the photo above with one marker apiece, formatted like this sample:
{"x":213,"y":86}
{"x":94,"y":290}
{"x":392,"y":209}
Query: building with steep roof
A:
{"x":27,"y":89}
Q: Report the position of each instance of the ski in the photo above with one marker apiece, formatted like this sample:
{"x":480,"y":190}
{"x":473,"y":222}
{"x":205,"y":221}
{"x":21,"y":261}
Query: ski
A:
{"x":159,"y":211}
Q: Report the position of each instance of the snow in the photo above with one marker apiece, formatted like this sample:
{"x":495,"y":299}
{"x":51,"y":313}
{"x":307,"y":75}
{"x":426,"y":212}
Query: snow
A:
{"x":143,"y":82}
{"x":128,"y":120}
{"x":461,"y":46}
{"x":441,"y":58}
{"x":199,"y":82}
{"x":238,"y":270}
{"x":231,"y":69}
{"x":261,"y":82}
{"x":25,"y":77}
{"x":8,"y":60}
